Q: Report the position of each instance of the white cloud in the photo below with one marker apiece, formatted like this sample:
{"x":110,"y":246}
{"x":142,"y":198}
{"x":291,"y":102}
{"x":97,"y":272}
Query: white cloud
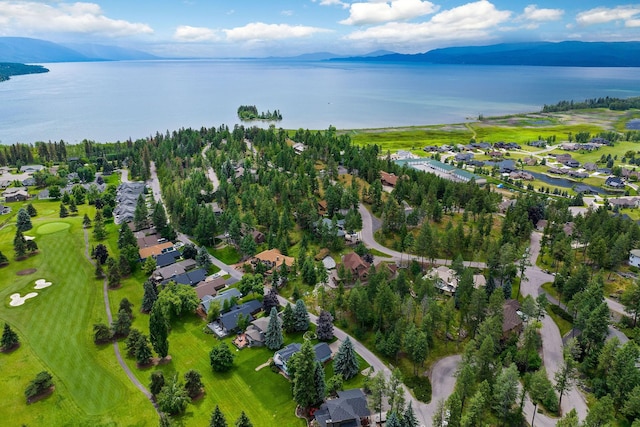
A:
{"x":375,"y":12}
{"x":532,"y":13}
{"x":602,"y":15}
{"x":287,"y":12}
{"x":185,"y":33}
{"x":467,"y":22}
{"x":333,"y":3}
{"x":84,"y":18}
{"x":632,"y":23}
{"x":259,"y":31}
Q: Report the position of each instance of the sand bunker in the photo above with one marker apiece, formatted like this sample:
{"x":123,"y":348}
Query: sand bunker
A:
{"x":17,"y":300}
{"x":41,"y":284}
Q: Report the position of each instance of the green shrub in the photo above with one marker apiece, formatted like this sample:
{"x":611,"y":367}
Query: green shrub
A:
{"x":561,"y":313}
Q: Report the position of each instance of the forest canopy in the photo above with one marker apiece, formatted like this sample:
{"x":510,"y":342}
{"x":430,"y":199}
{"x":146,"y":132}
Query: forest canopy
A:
{"x":250,"y":112}
{"x":8,"y":69}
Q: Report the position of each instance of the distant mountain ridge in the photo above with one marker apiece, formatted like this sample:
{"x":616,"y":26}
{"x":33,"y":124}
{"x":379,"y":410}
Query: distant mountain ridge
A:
{"x":28,"y":50}
{"x":326,"y":56}
{"x":566,"y":54}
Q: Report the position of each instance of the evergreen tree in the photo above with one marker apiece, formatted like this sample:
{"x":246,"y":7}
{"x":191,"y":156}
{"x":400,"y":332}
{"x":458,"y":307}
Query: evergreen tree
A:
{"x":270,"y":300}
{"x":157,"y":382}
{"x":325,"y":326}
{"x":32,"y":246}
{"x":122,"y":325}
{"x":31,"y":210}
{"x":159,"y":332}
{"x":9,"y":338}
{"x":300,"y":317}
{"x":304,"y":387}
{"x":113,"y":273}
{"x":217,"y":418}
{"x":141,"y":213}
{"x":101,"y":333}
{"x":193,"y":383}
{"x":143,"y":351}
{"x":393,"y":420}
{"x":243,"y":421}
{"x":150,"y":296}
{"x":131,"y":342}
{"x":3,"y":259}
{"x":345,"y":362}
{"x":100,"y":253}
{"x":321,"y":385}
{"x":72,"y":206}
{"x":126,"y":237}
{"x":23,"y":221}
{"x":409,"y":418}
{"x":273,"y":337}
{"x":126,"y":305}
{"x":99,"y":271}
{"x":288,"y":323}
{"x":86,"y":222}
{"x":203,"y":259}
{"x":99,"y":232}
{"x":63,"y":211}
{"x":19,"y":244}
{"x":124,"y":268}
{"x":149,"y":265}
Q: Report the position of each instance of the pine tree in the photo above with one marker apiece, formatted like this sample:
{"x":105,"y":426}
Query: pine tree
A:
{"x":113,"y":273}
{"x":99,"y":232}
{"x":243,"y":421}
{"x":157,"y":382}
{"x":124,"y":268}
{"x":9,"y":338}
{"x":325,"y":326}
{"x":217,"y":418}
{"x":393,"y":420}
{"x":158,"y":332}
{"x":126,"y":237}
{"x":131,"y":342}
{"x":202,"y":259}
{"x":126,"y":305}
{"x":193,"y":383}
{"x":23,"y":222}
{"x":99,"y":271}
{"x":63,"y":211}
{"x":3,"y":259}
{"x":72,"y":206}
{"x":143,"y":351}
{"x":345,"y":362}
{"x":273,"y":337}
{"x":32,"y":246}
{"x":287,"y":319}
{"x":304,"y":387}
{"x":150,"y":296}
{"x":86,"y":222}
{"x":409,"y":418}
{"x":122,"y":325}
{"x":31,"y":210}
{"x":270,"y":300}
{"x":19,"y":244}
{"x":300,"y":317}
{"x":140,"y":214}
{"x":321,"y":385}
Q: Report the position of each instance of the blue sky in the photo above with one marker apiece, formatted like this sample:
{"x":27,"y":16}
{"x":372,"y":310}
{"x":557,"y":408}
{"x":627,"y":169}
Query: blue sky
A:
{"x":238,"y":28}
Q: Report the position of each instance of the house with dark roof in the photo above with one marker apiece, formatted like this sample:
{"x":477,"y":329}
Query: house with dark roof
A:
{"x":614,"y":182}
{"x":228,"y":322}
{"x":349,"y":409}
{"x":167,"y":257}
{"x":463,"y":157}
{"x":221,"y":298}
{"x":15,"y":194}
{"x":539,"y":143}
{"x":282,"y":356}
{"x":4,"y":209}
{"x":255,"y":333}
{"x":512,"y":322}
{"x":31,"y":168}
{"x":191,"y":278}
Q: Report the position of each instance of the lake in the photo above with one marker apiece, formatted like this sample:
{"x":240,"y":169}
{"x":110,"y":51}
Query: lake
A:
{"x":109,"y":101}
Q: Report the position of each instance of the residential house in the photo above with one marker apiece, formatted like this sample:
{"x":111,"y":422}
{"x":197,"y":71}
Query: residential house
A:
{"x":512,"y":322}
{"x":337,"y":229}
{"x":299,"y":147}
{"x":521,"y":175}
{"x":541,"y":224}
{"x":584,"y":189}
{"x":167,"y":272}
{"x":31,"y":168}
{"x":505,"y":205}
{"x":228,"y":322}
{"x":539,"y":143}
{"x":228,"y":295}
{"x":28,"y":182}
{"x":272,"y":258}
{"x":463,"y":157}
{"x":591,"y":167}
{"x":329,"y":263}
{"x":634,"y":258}
{"x":572,"y":163}
{"x":256,"y":331}
{"x":624,"y":203}
{"x":258,"y":237}
{"x":210,"y":286}
{"x":507,"y":145}
{"x":167,"y":257}
{"x":4,"y":209}
{"x":282,"y":356}
{"x":191,"y":278}
{"x":354,"y":264}
{"x":388,"y":179}
{"x":322,"y":207}
{"x":348,"y":410}
{"x":44,"y":194}
{"x":561,"y":158}
{"x":4,"y":183}
{"x":557,"y":171}
{"x":15,"y":194}
{"x":530,"y":161}
{"x":614,"y":182}
{"x":568,"y":228}
{"x":154,"y":250}
{"x":578,"y":174}
{"x":147,"y":241}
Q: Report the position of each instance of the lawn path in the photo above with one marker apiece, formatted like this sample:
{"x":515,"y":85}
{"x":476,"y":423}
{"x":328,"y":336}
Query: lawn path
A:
{"x":116,"y":349}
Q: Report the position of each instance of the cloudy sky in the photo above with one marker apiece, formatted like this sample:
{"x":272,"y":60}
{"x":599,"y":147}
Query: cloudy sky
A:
{"x":238,"y":28}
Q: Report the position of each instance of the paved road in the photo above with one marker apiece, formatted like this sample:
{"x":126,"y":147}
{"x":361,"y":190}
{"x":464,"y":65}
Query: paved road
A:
{"x":210,"y":172}
{"x":116,"y":349}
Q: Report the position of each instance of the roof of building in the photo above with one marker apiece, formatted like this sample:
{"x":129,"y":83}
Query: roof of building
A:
{"x":275,"y":257}
{"x":328,"y":263}
{"x":191,"y":278}
{"x":210,"y":287}
{"x":389,"y":178}
{"x":511,"y":318}
{"x":635,"y":252}
{"x":167,"y":272}
{"x":167,"y":257}
{"x":220,"y":298}
{"x":229,"y":320}
{"x":354,"y":262}
{"x":154,"y":250}
{"x":350,"y":405}
{"x":146,"y":241}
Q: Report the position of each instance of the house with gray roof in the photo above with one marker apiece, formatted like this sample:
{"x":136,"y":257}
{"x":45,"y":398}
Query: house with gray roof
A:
{"x":228,"y":322}
{"x":220,"y":298}
{"x":282,"y":356}
{"x":349,"y":409}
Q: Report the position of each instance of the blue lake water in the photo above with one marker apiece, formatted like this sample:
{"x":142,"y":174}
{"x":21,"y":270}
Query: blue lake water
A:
{"x":109,"y":101}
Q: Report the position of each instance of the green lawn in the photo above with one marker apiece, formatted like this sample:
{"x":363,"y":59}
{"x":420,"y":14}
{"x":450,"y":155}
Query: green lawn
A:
{"x":56,"y":334}
{"x":228,"y":255}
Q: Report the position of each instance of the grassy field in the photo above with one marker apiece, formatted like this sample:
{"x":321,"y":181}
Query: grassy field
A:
{"x":55,"y":329}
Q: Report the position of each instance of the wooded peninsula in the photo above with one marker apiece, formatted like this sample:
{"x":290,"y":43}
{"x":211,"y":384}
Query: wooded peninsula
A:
{"x":8,"y":69}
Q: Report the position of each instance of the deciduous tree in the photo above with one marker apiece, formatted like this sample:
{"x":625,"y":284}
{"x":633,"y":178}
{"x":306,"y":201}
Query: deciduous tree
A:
{"x":173,"y":398}
{"x":193,"y":383}
{"x":221,"y":358}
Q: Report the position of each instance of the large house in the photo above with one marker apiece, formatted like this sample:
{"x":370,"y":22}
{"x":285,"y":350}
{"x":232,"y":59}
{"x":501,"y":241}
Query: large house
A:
{"x":348,"y":410}
{"x":512,"y":322}
{"x":354,"y":264}
{"x":221,"y":298}
{"x":272,"y":258}
{"x":228,"y":322}
{"x":155,"y":250}
{"x":282,"y":356}
{"x":191,"y":278}
{"x":388,"y":179}
{"x":15,"y":194}
{"x":634,"y":258}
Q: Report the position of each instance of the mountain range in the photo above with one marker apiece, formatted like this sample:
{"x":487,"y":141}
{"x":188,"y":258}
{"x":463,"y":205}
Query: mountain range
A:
{"x":566,"y":54}
{"x":28,"y":50}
